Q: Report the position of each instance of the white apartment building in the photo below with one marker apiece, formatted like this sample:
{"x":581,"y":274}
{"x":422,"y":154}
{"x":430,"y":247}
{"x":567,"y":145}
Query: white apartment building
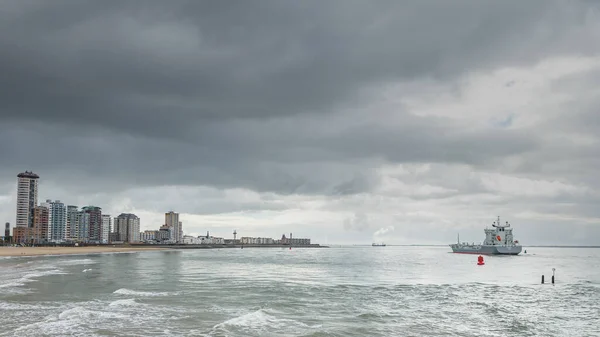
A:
{"x":27,"y":196}
{"x":57,"y":220}
{"x":106,"y":228}
{"x":172,"y":220}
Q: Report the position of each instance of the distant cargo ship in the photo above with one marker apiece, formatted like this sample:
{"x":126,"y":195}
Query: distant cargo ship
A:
{"x":378,"y":244}
{"x":498,"y":241}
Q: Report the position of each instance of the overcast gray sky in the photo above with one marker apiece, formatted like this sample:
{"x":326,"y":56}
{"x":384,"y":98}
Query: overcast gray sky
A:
{"x":344,"y":121}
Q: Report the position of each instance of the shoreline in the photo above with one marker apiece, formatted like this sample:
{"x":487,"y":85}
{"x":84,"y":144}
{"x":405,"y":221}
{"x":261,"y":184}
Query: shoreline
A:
{"x":7,"y":251}
{"x":238,"y":246}
{"x":40,"y":251}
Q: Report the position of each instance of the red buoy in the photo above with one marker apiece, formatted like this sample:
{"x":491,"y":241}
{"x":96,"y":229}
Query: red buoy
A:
{"x":480,"y":261}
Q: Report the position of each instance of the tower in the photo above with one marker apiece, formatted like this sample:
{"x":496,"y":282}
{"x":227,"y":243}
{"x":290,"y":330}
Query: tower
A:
{"x":127,"y":226}
{"x":73,"y":222}
{"x":234,"y":235}
{"x":90,"y":225}
{"x":27,"y":195}
{"x":106,"y":228}
{"x":172,"y":220}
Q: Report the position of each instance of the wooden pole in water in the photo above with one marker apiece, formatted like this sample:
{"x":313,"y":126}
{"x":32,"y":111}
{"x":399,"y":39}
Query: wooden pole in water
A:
{"x":542,"y":279}
{"x":553,"y":269}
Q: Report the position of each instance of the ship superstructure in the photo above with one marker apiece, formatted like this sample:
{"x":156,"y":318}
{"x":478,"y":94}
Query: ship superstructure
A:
{"x":499,"y":240}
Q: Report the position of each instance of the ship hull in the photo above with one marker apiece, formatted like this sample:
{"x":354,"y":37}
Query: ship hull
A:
{"x":486,"y":249}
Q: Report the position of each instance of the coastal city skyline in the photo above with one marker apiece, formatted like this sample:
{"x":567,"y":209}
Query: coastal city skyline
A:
{"x":54,"y":222}
{"x":170,"y":230}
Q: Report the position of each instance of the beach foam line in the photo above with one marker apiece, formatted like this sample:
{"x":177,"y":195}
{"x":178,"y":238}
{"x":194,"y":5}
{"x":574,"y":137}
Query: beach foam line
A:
{"x":129,"y":292}
{"x":54,"y":251}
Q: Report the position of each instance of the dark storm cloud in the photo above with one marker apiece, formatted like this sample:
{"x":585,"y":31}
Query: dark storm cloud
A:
{"x":174,"y":64}
{"x":190,"y":92}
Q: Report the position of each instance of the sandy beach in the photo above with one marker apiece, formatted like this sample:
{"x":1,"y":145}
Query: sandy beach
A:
{"x":31,"y":251}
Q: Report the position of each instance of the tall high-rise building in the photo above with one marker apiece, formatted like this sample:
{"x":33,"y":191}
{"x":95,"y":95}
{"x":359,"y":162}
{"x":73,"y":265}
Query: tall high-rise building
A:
{"x":40,"y":224}
{"x":127,"y":227}
{"x":6,"y":230}
{"x":91,"y":223}
{"x":172,"y":220}
{"x":27,"y":195}
{"x":180,"y":233}
{"x":83,"y":226}
{"x":57,"y":220}
{"x":106,"y":226}
{"x":73,"y":222}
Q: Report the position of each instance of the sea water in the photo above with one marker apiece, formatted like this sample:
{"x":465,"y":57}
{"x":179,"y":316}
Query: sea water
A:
{"x":346,"y":291}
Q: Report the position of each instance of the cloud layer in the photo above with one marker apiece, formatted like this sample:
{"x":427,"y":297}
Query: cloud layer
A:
{"x":343,"y":121}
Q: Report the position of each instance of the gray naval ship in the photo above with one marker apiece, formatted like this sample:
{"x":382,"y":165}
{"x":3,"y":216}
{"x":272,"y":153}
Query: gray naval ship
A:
{"x":498,"y":241}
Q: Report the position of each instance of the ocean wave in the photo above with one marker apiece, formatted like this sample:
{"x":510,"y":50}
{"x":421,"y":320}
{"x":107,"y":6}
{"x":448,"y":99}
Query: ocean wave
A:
{"x":69,"y":321}
{"x":259,"y":323}
{"x":72,"y":262}
{"x":129,"y":292}
{"x":30,"y":277}
{"x":83,"y":313}
{"x":13,"y":306}
{"x":130,"y":302}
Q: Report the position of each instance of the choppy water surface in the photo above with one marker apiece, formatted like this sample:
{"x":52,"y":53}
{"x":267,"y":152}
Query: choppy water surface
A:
{"x":354,"y":291}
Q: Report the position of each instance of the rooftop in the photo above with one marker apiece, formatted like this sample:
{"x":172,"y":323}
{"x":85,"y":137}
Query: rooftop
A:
{"x":28,"y":174}
{"x":127,"y":215}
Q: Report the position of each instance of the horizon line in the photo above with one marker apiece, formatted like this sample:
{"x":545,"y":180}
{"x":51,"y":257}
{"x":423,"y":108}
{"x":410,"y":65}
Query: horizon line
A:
{"x":444,"y":245}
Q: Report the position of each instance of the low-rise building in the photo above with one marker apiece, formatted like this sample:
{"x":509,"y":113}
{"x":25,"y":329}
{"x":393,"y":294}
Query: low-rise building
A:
{"x":24,"y":235}
{"x":256,"y":241}
{"x":190,"y":240}
{"x":149,"y":236}
{"x":165,"y":234}
{"x":203,"y":240}
{"x":300,"y":241}
{"x":211,"y":240}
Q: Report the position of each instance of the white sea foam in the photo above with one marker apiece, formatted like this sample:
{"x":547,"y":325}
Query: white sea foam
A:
{"x":130,"y":302}
{"x":259,"y":322}
{"x":129,"y":292}
{"x":29,"y":277}
{"x":87,"y":314}
{"x":70,"y":321}
{"x":9,"y":306}
{"x":74,"y":262}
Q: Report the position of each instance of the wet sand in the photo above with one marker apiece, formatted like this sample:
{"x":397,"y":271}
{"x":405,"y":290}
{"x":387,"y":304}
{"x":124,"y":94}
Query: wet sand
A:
{"x":31,"y":251}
